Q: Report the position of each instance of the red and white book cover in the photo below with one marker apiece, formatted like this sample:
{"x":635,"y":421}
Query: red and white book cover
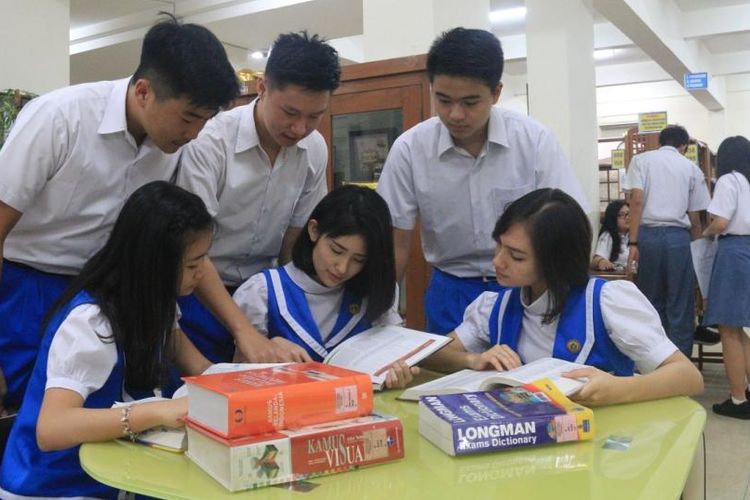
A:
{"x":294,"y":454}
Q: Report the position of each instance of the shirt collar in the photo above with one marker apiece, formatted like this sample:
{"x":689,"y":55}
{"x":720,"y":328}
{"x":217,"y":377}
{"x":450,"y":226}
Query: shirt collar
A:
{"x":539,"y":306}
{"x":247,"y":134}
{"x":670,"y":148}
{"x":115,"y":118}
{"x":496,"y":132}
{"x":307,"y":283}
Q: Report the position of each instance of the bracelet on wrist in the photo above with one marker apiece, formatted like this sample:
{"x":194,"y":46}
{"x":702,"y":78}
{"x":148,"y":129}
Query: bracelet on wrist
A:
{"x":632,"y":243}
{"x":125,"y":423}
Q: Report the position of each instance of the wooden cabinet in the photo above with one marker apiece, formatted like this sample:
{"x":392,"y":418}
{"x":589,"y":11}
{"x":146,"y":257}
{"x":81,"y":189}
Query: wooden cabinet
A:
{"x":375,"y":103}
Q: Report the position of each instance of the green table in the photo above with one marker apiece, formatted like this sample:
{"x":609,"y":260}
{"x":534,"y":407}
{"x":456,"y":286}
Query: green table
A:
{"x":665,"y":436}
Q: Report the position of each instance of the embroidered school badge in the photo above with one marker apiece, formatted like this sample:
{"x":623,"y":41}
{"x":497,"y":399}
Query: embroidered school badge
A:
{"x":354,"y":308}
{"x":573,"y":346}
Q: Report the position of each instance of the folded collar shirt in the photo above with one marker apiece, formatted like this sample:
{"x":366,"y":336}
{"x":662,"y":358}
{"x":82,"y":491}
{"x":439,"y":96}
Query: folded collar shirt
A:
{"x":68,"y":165}
{"x":252,"y":201}
{"x":457,"y":197}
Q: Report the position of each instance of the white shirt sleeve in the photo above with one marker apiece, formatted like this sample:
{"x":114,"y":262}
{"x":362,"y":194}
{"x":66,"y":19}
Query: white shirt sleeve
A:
{"x":203,"y":164}
{"x":82,"y":353}
{"x":698,"y":197}
{"x":252,"y":299}
{"x":396,"y":185}
{"x":604,"y":245}
{"x":634,"y":325}
{"x":553,"y":169}
{"x":474,"y":331}
{"x":724,"y":202}
{"x":634,"y":177}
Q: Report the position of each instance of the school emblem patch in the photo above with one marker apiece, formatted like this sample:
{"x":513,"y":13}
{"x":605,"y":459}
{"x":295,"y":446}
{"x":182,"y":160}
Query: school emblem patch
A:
{"x":573,"y":346}
{"x":354,"y":308}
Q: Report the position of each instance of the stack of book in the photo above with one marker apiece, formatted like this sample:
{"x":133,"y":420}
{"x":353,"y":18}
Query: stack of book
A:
{"x":274,"y":425}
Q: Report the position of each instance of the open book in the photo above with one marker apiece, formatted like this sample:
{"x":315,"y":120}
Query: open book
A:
{"x":376,"y":349}
{"x":472,"y":380}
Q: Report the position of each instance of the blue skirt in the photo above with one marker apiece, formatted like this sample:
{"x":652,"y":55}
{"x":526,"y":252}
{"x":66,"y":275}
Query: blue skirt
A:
{"x":729,"y":290}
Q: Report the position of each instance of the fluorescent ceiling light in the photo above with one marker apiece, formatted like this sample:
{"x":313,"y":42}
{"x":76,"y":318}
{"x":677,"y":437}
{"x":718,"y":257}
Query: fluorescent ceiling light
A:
{"x":257,"y":54}
{"x":603,"y":54}
{"x":507,"y":15}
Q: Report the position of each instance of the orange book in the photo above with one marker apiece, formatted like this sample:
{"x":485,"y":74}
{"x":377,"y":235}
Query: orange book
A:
{"x":267,"y":399}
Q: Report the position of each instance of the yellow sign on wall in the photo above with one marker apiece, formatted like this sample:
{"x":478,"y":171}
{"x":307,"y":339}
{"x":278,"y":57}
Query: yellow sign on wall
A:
{"x":691,"y":153}
{"x":618,"y":158}
{"x":649,"y":123}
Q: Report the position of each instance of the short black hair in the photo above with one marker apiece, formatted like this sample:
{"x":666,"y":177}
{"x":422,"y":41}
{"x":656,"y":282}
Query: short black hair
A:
{"x":303,"y":60}
{"x":674,"y":135}
{"x":187,"y":60}
{"x":469,"y":53}
{"x":733,"y":154}
{"x":560,"y":234}
{"x":350,"y":210}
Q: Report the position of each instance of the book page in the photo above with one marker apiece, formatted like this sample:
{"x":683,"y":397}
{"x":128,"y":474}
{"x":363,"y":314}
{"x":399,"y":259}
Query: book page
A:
{"x":541,"y":368}
{"x":374,"y":350}
{"x":461,"y":381}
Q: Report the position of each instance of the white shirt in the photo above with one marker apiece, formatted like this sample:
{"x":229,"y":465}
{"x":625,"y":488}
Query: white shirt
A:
{"x":253,"y":202}
{"x":324,"y":302}
{"x":459,"y":198}
{"x":732,"y":201}
{"x":604,"y":248}
{"x":83,"y":352}
{"x":69,"y":164}
{"x":672,"y":186}
{"x":629,"y":318}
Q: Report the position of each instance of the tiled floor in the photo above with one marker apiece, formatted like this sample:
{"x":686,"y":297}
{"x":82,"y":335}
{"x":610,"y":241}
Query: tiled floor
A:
{"x":727,"y":442}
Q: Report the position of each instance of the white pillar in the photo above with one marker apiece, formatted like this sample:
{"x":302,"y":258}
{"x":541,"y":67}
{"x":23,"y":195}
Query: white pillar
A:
{"x":562,"y":83}
{"x":397,"y":28}
{"x":34,"y":36}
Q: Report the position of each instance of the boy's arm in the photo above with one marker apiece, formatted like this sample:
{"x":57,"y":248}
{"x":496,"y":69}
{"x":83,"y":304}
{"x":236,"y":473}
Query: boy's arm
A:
{"x":287,"y":243}
{"x":9,"y":217}
{"x":636,"y":212}
{"x":402,"y":245}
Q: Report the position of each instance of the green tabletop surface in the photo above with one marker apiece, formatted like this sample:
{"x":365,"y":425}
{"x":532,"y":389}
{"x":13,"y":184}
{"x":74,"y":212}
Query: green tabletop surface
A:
{"x":640,"y":451}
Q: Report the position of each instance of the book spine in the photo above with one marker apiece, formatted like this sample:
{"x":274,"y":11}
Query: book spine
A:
{"x":312,"y":454}
{"x":298,"y":405}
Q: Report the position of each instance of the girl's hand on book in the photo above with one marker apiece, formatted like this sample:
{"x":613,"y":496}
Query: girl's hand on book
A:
{"x":400,"y":375}
{"x":498,"y":357}
{"x":601,"y":388}
{"x":173,"y":412}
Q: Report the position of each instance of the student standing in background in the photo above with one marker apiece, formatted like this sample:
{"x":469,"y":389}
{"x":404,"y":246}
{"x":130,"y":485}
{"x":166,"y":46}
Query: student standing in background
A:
{"x":459,"y":170}
{"x":729,"y":291}
{"x":261,"y":168}
{"x":73,"y":157}
{"x":667,"y":192}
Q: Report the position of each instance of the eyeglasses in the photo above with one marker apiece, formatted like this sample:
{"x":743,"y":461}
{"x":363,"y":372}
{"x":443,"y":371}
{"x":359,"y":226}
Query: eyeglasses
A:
{"x":623,"y":214}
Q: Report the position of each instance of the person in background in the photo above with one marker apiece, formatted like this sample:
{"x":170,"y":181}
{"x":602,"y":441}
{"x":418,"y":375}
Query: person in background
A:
{"x":261,"y":168}
{"x":729,"y":290}
{"x":611,"y":252}
{"x":456,"y":172}
{"x":110,"y":338}
{"x":667,"y":192}
{"x":73,"y":157}
{"x":553,"y":308}
{"x":340,"y":282}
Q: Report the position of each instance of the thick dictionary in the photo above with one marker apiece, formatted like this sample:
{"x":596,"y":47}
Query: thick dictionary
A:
{"x":294,"y":454}
{"x":529,"y":415}
{"x":256,"y":401}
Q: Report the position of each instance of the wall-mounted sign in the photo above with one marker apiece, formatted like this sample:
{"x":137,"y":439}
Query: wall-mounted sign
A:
{"x":691,"y":153}
{"x":649,"y":123}
{"x":695,"y":81}
{"x":618,"y":158}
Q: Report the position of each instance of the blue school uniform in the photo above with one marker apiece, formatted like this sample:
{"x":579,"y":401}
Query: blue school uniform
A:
{"x":289,"y":316}
{"x":580,"y":337}
{"x":26,"y":295}
{"x":28,"y":471}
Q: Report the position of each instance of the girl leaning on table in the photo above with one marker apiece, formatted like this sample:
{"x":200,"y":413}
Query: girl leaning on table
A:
{"x":729,"y":290}
{"x":340,"y":282}
{"x":111,"y":338}
{"x":611,"y":253}
{"x":553,"y":308}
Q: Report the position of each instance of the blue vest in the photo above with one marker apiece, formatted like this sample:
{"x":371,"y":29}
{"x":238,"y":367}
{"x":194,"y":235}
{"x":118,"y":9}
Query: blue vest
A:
{"x":289,"y":316}
{"x":26,"y":470}
{"x":581,"y":336}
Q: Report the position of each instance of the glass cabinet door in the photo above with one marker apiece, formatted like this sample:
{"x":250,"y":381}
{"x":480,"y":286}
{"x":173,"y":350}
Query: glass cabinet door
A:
{"x":361,"y":142}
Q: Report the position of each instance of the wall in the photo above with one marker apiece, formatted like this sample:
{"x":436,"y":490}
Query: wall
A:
{"x":34,"y":38}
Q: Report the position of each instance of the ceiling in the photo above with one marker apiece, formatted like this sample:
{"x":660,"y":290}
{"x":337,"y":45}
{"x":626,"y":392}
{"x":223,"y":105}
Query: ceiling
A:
{"x":646,"y":40}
